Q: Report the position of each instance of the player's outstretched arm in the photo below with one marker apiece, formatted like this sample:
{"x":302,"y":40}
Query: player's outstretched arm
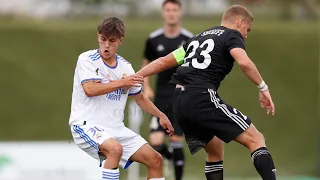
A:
{"x":251,"y":71}
{"x":94,"y":88}
{"x":146,"y":105}
{"x":147,"y":90}
{"x":159,"y":65}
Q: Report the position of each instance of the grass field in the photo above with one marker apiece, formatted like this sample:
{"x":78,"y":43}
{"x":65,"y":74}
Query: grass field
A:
{"x":37,"y":61}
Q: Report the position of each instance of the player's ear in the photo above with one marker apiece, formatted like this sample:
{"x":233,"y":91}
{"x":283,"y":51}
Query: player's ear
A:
{"x":239,"y":22}
{"x":120,"y":41}
{"x":242,"y":21}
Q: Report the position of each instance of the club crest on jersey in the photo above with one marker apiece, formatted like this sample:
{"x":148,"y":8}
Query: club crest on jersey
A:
{"x":116,"y":95}
{"x":124,"y":75}
{"x":160,"y":48}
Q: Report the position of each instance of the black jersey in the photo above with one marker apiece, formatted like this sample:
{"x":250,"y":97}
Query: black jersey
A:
{"x":158,"y":45}
{"x":207,"y":60}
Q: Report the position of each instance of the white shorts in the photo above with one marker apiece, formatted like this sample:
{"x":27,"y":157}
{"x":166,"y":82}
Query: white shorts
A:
{"x":87,"y":137}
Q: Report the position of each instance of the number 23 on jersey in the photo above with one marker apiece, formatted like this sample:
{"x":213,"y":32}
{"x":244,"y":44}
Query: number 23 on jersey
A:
{"x":195,"y":54}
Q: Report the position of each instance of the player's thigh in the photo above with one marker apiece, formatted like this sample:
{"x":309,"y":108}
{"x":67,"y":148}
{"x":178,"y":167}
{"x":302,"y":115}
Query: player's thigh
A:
{"x":186,"y":110}
{"x":222,"y":119}
{"x":85,"y":138}
{"x":111,"y":147}
{"x":214,"y":150}
{"x":251,"y":138}
{"x":178,"y":132}
{"x":147,"y":156}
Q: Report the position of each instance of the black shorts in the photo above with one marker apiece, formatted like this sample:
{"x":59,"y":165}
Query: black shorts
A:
{"x":165,"y":105}
{"x":202,"y":115}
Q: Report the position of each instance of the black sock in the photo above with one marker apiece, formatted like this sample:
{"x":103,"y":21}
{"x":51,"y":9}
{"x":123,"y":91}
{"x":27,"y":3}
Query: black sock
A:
{"x":163,"y":150}
{"x":263,"y":162}
{"x":214,"y":170}
{"x":178,"y":160}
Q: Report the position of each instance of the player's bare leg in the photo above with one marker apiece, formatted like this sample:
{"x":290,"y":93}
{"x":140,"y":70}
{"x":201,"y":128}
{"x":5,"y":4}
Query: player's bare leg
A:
{"x":156,"y":140}
{"x":111,"y":149}
{"x":214,"y":160}
{"x":152,"y":159}
{"x":254,"y":141}
{"x":176,"y":143}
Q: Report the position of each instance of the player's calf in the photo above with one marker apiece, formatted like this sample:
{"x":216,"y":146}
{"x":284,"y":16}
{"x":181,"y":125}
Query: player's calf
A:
{"x":178,"y":155}
{"x":255,"y":142}
{"x":111,"y":149}
{"x":152,"y":159}
{"x":214,"y":160}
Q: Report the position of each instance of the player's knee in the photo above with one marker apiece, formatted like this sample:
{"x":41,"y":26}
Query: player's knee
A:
{"x":155,"y":161}
{"x":258,"y":139}
{"x":116,"y":150}
{"x":215,"y":155}
{"x":113,"y":148}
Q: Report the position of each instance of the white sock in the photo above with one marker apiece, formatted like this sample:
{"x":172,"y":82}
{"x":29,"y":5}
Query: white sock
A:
{"x":157,"y":178}
{"x":110,"y":174}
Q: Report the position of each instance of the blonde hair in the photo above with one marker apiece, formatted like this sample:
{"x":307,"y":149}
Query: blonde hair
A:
{"x":237,"y":10}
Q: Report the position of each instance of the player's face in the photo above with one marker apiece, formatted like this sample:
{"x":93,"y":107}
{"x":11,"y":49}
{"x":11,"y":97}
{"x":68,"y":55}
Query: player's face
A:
{"x":108,"y":45}
{"x":171,"y":13}
{"x":244,"y":27}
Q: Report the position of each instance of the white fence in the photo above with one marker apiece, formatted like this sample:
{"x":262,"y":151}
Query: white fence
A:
{"x":61,"y":8}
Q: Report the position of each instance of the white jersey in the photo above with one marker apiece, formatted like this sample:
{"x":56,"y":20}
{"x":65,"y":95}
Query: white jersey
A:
{"x":105,"y":110}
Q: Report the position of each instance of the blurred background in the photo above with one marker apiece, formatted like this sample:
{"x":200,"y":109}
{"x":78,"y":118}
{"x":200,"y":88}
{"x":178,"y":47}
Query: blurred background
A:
{"x":40,"y":41}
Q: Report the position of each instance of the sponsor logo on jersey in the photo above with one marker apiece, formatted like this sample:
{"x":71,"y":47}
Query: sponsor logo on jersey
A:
{"x":116,"y":95}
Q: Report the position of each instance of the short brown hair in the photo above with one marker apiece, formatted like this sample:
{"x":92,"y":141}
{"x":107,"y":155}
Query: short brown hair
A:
{"x":112,"y":27}
{"x":237,"y":10}
{"x":171,"y":1}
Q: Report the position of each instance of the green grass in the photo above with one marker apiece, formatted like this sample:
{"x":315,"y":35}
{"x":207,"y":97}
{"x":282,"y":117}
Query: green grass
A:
{"x":37,"y":61}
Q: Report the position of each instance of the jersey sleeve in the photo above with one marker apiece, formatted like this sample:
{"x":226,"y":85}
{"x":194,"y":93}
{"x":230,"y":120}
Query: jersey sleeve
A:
{"x":234,"y":40}
{"x":134,"y":90}
{"x":148,"y":51}
{"x":87,"y":71}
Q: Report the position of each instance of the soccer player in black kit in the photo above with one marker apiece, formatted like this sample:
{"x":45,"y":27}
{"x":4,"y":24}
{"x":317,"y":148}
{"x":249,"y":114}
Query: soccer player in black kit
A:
{"x":160,"y":43}
{"x":202,"y":115}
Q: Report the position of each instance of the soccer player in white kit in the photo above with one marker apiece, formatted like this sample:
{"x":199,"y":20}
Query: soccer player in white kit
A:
{"x":103,"y":81}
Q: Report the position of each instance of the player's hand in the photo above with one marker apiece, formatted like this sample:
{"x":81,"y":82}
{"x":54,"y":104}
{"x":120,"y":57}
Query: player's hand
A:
{"x":166,"y":124}
{"x":133,"y":81}
{"x":266,"y":101}
{"x":148,"y":92}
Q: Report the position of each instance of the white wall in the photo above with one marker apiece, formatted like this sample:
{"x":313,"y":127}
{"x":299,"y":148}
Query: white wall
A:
{"x":46,"y":161}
